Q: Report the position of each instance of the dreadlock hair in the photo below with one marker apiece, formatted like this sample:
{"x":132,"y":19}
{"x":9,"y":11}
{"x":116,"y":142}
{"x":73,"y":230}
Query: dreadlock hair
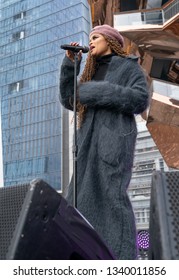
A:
{"x":89,"y":71}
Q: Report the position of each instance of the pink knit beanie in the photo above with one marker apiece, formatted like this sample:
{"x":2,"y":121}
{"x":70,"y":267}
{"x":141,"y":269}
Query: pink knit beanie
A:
{"x":108,"y":31}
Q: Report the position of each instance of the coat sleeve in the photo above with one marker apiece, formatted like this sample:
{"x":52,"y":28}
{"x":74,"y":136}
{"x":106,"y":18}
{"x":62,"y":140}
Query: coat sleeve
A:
{"x":66,"y":84}
{"x":130,"y":99}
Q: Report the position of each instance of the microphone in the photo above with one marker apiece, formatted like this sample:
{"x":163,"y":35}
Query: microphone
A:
{"x":84,"y":49}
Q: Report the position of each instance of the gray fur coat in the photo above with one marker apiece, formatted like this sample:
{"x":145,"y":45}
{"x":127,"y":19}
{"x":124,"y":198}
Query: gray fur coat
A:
{"x":106,"y":143}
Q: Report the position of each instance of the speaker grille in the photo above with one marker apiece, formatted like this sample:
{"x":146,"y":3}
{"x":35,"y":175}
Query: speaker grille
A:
{"x":164,"y":218}
{"x":11,"y":201}
{"x":37,"y":223}
{"x":172,"y":189}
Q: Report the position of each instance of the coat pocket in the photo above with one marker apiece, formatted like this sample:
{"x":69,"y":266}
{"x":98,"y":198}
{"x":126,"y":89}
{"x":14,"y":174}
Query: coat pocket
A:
{"x":110,"y":146}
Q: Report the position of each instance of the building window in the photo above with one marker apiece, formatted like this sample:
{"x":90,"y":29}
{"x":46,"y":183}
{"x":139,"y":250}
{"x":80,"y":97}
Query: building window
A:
{"x":18,"y":35}
{"x":161,"y":162}
{"x":17,"y":86}
{"x":144,"y":167}
{"x":21,"y":15}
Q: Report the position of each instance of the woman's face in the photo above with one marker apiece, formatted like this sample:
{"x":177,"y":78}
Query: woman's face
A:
{"x":98,"y":45}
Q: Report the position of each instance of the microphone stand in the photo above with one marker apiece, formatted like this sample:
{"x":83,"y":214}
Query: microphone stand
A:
{"x":75,"y":50}
{"x":75,"y":147}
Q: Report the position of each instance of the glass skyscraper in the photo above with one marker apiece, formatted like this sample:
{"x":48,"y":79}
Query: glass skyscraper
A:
{"x":31,"y":33}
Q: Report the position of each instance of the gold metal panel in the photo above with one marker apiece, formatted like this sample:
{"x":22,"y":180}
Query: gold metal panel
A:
{"x":163,"y":125}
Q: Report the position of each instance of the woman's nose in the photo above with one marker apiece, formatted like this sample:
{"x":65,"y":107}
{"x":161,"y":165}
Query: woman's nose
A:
{"x":90,"y":41}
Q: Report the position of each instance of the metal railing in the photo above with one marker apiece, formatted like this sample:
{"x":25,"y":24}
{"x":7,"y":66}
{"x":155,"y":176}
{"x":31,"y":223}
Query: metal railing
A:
{"x":166,"y":89}
{"x":156,"y":16}
{"x":171,"y":10}
{"x":139,"y":18}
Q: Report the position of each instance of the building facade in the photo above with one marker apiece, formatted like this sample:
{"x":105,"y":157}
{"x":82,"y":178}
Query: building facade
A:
{"x":147,"y":159}
{"x":32,"y":120}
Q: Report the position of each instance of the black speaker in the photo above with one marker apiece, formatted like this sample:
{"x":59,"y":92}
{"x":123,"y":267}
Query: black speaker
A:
{"x":36,"y":222}
{"x":164,"y":216}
